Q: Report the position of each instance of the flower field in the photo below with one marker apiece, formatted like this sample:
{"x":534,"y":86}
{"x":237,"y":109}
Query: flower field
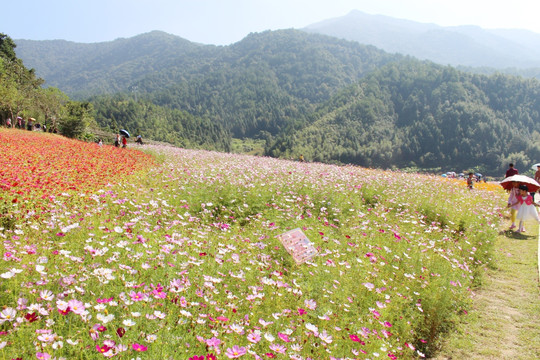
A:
{"x":110,"y":254}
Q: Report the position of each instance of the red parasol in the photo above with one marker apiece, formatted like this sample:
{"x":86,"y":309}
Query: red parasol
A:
{"x":532,"y":184}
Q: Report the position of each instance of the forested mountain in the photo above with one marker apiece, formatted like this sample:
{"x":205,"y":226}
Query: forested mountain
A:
{"x":422,"y":115}
{"x":331,"y":100}
{"x":469,"y":46}
{"x":256,"y":87}
{"x":82,"y":70}
{"x":156,"y":60}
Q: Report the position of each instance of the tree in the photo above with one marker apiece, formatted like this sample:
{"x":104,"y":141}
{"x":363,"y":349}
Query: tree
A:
{"x":75,"y":119}
{"x":7,"y":48}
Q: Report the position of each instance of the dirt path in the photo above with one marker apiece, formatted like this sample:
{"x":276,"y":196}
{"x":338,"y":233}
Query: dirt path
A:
{"x":505,"y":320}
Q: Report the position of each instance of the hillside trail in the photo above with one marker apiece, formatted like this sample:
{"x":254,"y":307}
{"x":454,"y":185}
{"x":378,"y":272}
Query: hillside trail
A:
{"x":504,"y":322}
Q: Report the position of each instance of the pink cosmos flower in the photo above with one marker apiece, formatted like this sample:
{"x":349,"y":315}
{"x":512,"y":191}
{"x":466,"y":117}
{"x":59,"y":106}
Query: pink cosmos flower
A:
{"x":310,"y":304}
{"x":213,"y":342}
{"x":283,"y":337}
{"x":139,"y":347}
{"x":102,"y":349}
{"x":43,"y":356}
{"x":355,"y":338}
{"x":280,"y":349}
{"x":235,"y":352}
{"x":102,"y":301}
{"x":137,"y":296}
{"x":254,"y":337}
{"x":76,"y":306}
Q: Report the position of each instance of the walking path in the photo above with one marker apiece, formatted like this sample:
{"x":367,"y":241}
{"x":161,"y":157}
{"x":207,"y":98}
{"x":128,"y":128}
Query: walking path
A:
{"x":504,"y":322}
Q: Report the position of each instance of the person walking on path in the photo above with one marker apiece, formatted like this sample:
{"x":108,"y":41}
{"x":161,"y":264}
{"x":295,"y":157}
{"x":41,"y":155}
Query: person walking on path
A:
{"x":527,"y":207}
{"x":511,"y":170}
{"x":513,"y":203}
{"x":537,"y":178}
{"x":124,"y":142}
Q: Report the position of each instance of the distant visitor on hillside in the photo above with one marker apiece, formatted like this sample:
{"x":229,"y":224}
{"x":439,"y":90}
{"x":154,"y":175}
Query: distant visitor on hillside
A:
{"x":301,"y":158}
{"x":124,"y":141}
{"x":117,"y":140}
{"x":470,"y":180}
{"x":511,"y":170}
{"x":139,"y":140}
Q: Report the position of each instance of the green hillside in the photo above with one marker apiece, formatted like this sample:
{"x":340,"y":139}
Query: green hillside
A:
{"x":329,"y":99}
{"x":418,"y":114}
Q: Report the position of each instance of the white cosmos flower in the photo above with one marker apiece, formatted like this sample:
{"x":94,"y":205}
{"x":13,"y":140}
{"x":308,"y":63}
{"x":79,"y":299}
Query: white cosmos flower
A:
{"x":312,"y":327}
{"x":8,"y":314}
{"x":7,"y":275}
{"x":105,"y":318}
{"x":41,"y":269}
{"x":128,"y":322}
{"x":46,"y":295}
{"x":324,"y":336}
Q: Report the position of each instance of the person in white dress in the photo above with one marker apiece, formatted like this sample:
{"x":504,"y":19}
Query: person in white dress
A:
{"x":527,"y":207}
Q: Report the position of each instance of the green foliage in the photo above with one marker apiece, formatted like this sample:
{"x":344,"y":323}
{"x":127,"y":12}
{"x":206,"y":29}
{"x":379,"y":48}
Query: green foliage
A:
{"x":160,"y":123}
{"x":414,"y":114}
{"x":21,"y":94}
{"x":7,"y":48}
{"x":76,"y":119}
{"x":331,"y":100}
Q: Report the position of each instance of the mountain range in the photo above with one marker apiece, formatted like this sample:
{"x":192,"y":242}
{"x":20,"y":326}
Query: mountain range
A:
{"x":330,"y":99}
{"x":456,"y":45}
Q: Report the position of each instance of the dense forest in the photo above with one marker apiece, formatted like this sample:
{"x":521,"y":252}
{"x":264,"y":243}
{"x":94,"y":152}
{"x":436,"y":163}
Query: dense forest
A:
{"x":422,"y":115}
{"x":331,"y":100}
{"x":23,"y":96}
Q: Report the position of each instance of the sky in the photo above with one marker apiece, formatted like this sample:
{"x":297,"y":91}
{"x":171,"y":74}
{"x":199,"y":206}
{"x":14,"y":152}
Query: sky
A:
{"x":222,"y":22}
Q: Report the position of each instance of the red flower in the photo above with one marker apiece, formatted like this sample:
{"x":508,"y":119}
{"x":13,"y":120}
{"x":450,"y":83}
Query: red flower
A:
{"x":31,"y":317}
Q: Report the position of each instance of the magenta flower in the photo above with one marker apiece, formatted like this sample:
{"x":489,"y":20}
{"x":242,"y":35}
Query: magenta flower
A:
{"x":103,"y":349}
{"x":355,"y":338}
{"x":137,"y":296}
{"x":43,"y":356}
{"x":235,"y":352}
{"x":283,"y":337}
{"x":102,"y":301}
{"x":139,"y":347}
{"x":197,"y":357}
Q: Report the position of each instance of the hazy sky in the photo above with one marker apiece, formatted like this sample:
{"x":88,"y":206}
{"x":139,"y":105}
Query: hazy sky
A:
{"x":223,"y":22}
